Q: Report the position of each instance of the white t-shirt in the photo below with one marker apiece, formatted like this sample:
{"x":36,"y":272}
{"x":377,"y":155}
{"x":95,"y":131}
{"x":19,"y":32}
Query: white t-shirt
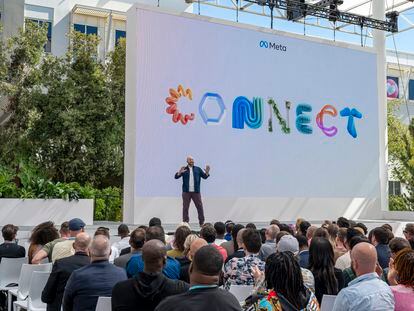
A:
{"x":191,"y":182}
{"x":343,"y":261}
{"x":121,"y":244}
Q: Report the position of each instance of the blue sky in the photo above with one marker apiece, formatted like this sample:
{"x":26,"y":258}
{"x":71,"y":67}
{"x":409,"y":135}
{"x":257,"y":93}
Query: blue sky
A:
{"x":404,"y":41}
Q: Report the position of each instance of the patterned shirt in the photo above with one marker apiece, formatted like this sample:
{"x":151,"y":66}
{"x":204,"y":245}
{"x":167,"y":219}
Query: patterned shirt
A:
{"x":238,"y":271}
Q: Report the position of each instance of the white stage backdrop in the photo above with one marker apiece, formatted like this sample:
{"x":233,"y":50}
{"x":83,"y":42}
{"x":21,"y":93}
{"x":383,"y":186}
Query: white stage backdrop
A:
{"x":277,"y":117}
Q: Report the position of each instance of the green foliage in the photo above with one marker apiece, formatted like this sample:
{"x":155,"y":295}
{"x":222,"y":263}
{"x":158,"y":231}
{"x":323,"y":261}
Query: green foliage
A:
{"x":28,"y":184}
{"x":401,"y":157}
{"x":67,"y":112}
{"x":397,"y":203}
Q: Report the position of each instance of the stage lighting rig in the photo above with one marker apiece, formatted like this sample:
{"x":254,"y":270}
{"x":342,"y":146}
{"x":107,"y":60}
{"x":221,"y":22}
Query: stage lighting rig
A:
{"x":328,"y":9}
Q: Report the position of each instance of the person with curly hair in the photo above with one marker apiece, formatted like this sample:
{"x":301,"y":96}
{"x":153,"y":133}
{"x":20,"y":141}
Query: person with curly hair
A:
{"x":401,"y":277}
{"x":41,"y":235}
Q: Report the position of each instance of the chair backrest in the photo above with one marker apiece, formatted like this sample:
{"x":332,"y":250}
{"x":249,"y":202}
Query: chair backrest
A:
{"x":241,"y":292}
{"x":104,"y":304}
{"x":25,"y":277}
{"x":37,"y":284}
{"x":10,"y":270}
{"x":328,"y":302}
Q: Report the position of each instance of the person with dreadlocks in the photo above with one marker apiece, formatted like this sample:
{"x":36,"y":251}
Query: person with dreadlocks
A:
{"x":285,"y":287}
{"x":401,"y":276}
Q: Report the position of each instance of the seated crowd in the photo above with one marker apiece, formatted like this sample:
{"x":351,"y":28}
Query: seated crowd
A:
{"x":288,"y":267}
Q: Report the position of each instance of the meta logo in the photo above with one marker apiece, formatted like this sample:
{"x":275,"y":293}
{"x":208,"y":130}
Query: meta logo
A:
{"x":250,"y":113}
{"x":272,"y":46}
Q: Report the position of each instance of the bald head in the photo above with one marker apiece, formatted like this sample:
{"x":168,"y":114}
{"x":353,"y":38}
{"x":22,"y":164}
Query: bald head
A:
{"x":364,"y":258}
{"x":196,"y":245}
{"x":82,"y":242}
{"x":154,"y":255}
{"x":100,"y":248}
{"x":190,"y":160}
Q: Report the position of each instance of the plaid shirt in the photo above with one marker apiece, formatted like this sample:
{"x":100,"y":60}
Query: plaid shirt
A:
{"x":238,"y":271}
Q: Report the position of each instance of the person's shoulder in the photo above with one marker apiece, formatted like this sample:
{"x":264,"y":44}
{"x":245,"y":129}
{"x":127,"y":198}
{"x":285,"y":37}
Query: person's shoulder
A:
{"x":123,"y":286}
{"x":171,"y":302}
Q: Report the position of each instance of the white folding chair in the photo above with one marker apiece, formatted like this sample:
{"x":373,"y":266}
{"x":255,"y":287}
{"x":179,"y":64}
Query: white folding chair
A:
{"x":34,"y":301}
{"x":104,"y":304}
{"x":22,"y":291}
{"x":241,"y":292}
{"x":328,"y":302}
{"x":10,"y":271}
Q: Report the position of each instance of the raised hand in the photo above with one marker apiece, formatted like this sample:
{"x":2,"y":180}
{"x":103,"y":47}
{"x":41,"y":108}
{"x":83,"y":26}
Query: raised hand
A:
{"x":207,"y":169}
{"x":182,"y":170}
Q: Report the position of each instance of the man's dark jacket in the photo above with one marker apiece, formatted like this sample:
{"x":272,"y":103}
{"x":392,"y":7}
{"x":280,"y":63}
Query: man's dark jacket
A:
{"x":198,"y":173}
{"x":88,"y":283}
{"x":145,"y":291}
{"x":62,"y":269}
{"x":11,"y":250}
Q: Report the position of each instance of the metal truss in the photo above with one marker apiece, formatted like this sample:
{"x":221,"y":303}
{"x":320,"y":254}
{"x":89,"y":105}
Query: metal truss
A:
{"x":280,"y":13}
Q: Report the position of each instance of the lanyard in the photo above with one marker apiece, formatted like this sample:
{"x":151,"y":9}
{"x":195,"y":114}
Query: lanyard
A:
{"x":202,"y":286}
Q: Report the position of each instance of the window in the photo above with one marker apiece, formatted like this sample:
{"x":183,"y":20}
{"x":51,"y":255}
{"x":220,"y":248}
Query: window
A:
{"x":86,"y":29}
{"x":393,"y":87}
{"x":411,"y":90}
{"x":118,"y":35}
{"x":394,"y":187}
{"x":48,"y":46}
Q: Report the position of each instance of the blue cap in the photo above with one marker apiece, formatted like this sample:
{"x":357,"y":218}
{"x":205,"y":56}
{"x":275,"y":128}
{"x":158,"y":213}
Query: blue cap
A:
{"x":76,"y":224}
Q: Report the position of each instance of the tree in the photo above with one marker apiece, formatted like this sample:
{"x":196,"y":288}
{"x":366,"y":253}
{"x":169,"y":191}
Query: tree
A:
{"x":68,"y":114}
{"x":401,"y":157}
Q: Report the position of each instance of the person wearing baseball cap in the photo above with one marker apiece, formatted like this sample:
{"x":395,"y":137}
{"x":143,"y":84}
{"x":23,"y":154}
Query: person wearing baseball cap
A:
{"x":65,"y":248}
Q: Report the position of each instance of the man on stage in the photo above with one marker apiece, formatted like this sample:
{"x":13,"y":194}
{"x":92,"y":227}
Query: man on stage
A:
{"x":191,"y":188}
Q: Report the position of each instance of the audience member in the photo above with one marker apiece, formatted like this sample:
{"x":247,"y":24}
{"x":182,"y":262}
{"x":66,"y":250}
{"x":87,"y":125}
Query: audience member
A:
{"x":64,"y":248}
{"x":280,"y":235}
{"x":123,"y":232}
{"x":251,"y":225}
{"x":220,"y":230}
{"x":349,"y":273}
{"x":340,"y":248}
{"x":154,"y":221}
{"x":286,"y":228}
{"x":396,"y":245}
{"x":209,"y":234}
{"x":47,"y":250}
{"x":114,"y":251}
{"x":229,"y":228}
{"x":297,"y":224}
{"x":379,"y":238}
{"x":367,"y":291}
{"x":321,"y":233}
{"x":286,"y":289}
{"x":303,"y":228}
{"x":310,"y":232}
{"x":240,"y":252}
{"x":180,"y":235}
{"x":136,"y":242}
{"x":274,"y":222}
{"x":342,"y":222}
{"x":344,"y":261}
{"x":269,"y":246}
{"x":289,"y":243}
{"x":409,"y":234}
{"x":262,"y":233}
{"x":52,"y":293}
{"x":333,"y":233}
{"x":41,"y":235}
{"x":136,"y":264}
{"x":363,"y":227}
{"x":401,"y":277}
{"x":10,"y":249}
{"x":303,"y":251}
{"x":204,"y":294}
{"x":328,"y":279}
{"x":231,"y":246}
{"x":238,"y":271}
{"x":149,"y":287}
{"x":88,"y":283}
{"x":185,"y":265}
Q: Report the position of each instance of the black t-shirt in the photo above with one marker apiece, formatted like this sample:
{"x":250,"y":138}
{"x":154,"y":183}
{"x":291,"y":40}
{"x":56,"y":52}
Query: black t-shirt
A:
{"x":11,"y":250}
{"x":201,"y":299}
